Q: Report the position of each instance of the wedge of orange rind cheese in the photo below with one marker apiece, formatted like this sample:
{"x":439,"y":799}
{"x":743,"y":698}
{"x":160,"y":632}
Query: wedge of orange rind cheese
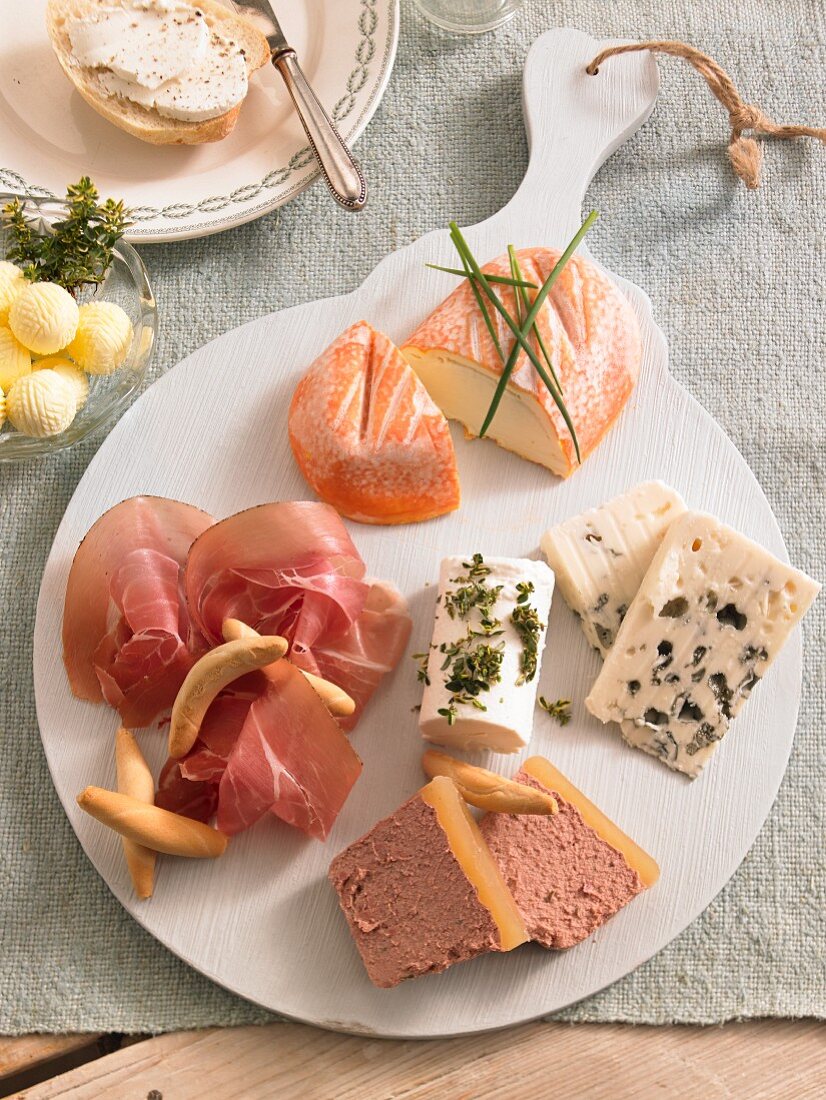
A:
{"x":592,"y":337}
{"x":368,"y":438}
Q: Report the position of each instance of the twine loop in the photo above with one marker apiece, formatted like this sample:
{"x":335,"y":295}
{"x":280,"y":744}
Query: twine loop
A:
{"x":745,"y":154}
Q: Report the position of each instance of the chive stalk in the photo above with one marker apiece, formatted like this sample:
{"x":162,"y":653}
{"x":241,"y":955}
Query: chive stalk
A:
{"x":503,"y":279}
{"x":521,"y":333}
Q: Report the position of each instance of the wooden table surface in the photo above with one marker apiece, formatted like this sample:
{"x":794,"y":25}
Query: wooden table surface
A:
{"x":758,"y":1060}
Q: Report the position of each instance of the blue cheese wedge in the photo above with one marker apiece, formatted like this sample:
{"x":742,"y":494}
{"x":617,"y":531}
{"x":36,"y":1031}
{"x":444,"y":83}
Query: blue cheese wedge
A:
{"x":482,"y":669}
{"x":600,"y":557}
{"x":712,"y":613}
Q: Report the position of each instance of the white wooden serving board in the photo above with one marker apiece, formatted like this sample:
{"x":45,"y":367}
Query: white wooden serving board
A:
{"x":262,"y":920}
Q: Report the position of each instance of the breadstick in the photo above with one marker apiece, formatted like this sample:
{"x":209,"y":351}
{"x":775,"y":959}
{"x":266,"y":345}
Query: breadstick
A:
{"x":135,"y":779}
{"x":334,"y":698}
{"x":151,"y":826}
{"x":210,"y":675}
{"x":487,"y":790}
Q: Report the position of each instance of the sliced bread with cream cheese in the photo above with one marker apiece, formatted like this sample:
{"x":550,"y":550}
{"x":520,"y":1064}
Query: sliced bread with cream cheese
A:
{"x":147,"y":123}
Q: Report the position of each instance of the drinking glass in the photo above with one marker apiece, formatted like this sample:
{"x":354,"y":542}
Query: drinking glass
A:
{"x":469,"y":16}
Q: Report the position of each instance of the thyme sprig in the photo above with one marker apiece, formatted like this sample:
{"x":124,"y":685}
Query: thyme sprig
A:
{"x":526,"y":623}
{"x":473,"y":663}
{"x":523,"y":326}
{"x":560,"y":709}
{"x":75,"y":251}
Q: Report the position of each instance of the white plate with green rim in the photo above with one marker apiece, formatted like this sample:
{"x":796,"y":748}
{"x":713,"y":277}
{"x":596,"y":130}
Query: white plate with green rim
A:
{"x":49,"y":136}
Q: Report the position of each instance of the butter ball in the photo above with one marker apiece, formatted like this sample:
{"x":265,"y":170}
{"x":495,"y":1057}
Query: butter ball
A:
{"x":15,"y":360}
{"x":44,"y":317}
{"x":68,"y":371}
{"x":103,"y":340}
{"x":41,"y":404}
{"x":11,"y":283}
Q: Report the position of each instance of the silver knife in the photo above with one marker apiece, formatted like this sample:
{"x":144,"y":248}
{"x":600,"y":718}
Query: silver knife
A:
{"x":338,"y":165}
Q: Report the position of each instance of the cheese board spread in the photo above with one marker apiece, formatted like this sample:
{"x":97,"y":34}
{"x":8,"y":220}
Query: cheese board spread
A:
{"x":246,"y":644}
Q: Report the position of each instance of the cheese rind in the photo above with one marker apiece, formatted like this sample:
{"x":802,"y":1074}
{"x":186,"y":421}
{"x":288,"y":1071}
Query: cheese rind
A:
{"x":502,"y":719}
{"x":601,"y":556}
{"x":712,"y":613}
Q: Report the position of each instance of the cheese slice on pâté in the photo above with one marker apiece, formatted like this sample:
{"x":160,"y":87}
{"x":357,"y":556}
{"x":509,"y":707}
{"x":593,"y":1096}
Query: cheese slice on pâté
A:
{"x":455,"y":709}
{"x":591,"y":335}
{"x":712,"y":613}
{"x":601,"y":556}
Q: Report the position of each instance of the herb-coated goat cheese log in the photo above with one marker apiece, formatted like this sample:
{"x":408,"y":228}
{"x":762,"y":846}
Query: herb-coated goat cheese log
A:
{"x":482,"y":669}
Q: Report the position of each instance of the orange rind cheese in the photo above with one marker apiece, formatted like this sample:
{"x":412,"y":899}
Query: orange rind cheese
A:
{"x":591,"y":335}
{"x":368,"y":438}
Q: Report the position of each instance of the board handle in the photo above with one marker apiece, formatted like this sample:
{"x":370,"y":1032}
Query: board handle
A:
{"x":574,"y":122}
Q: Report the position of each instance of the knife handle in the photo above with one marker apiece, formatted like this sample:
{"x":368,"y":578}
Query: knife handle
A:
{"x":341,"y":171}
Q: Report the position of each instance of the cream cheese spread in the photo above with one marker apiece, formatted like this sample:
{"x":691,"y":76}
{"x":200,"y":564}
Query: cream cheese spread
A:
{"x":163,"y":56}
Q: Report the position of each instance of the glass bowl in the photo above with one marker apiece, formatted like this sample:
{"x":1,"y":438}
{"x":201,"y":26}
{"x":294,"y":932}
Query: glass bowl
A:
{"x":127,"y":284}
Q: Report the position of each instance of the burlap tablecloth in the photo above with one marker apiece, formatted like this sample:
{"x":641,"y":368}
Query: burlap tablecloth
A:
{"x":738,"y":285}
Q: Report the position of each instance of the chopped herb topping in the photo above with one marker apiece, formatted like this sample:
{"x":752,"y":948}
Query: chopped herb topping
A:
{"x":472,"y":663}
{"x":560,"y":709}
{"x":525,"y":620}
{"x":474,"y":593}
{"x":422,"y":659}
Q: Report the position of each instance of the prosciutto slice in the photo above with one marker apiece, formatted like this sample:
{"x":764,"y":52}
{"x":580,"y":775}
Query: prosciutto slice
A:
{"x":287,"y":568}
{"x":291,"y":568}
{"x":183,"y":796}
{"x":126,"y":631}
{"x":291,"y":758}
{"x":219,"y":732}
{"x":372,"y":647}
{"x":148,"y":592}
